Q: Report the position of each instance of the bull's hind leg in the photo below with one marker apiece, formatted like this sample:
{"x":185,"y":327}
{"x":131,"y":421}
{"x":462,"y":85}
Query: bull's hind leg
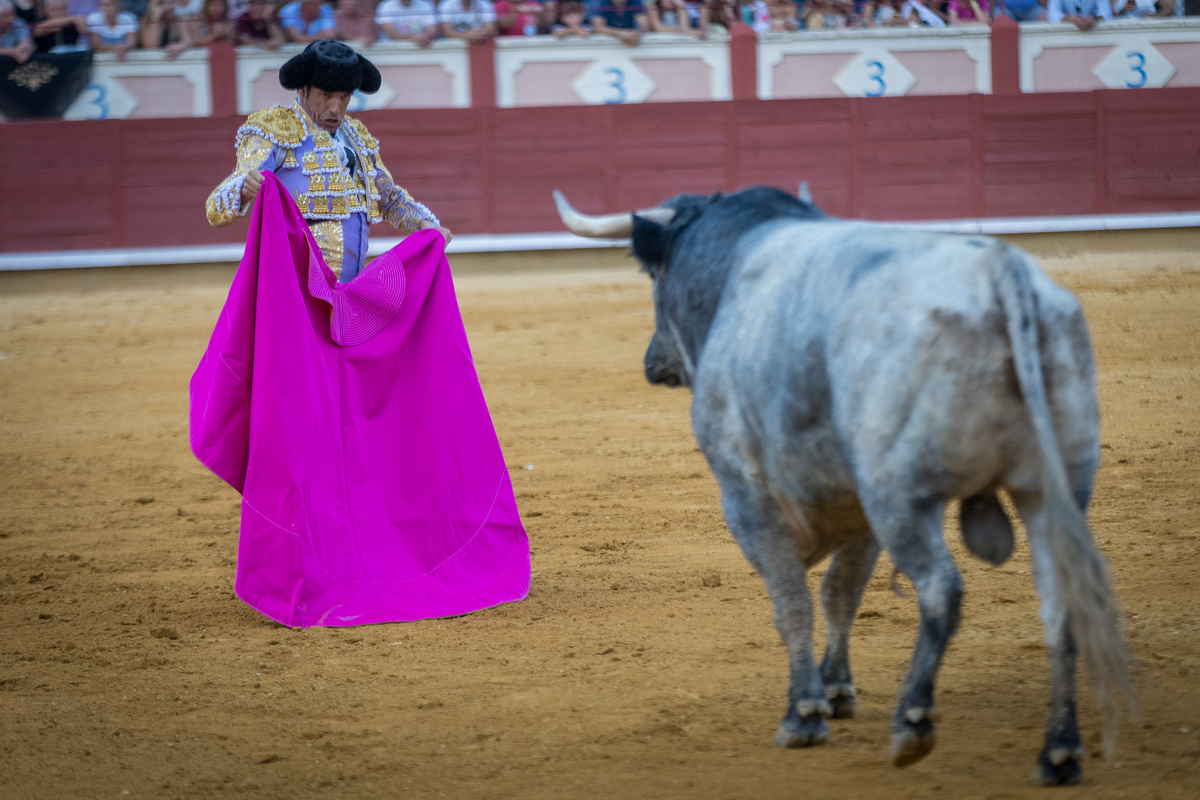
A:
{"x":1059,"y":763}
{"x":841,"y":593}
{"x":770,"y":544}
{"x":911,"y":530}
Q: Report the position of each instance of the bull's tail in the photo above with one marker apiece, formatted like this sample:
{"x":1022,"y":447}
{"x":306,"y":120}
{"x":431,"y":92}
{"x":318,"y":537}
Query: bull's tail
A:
{"x":1087,"y":597}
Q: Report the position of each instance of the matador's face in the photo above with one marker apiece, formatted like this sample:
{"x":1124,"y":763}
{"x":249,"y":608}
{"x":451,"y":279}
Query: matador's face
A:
{"x":327,"y":109}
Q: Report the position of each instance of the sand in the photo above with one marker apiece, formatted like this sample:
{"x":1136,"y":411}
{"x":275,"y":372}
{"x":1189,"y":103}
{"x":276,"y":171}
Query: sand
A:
{"x":643,"y":664}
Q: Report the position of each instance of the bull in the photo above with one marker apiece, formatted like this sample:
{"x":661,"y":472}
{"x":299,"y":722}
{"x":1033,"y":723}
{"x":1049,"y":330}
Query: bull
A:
{"x":849,"y":380}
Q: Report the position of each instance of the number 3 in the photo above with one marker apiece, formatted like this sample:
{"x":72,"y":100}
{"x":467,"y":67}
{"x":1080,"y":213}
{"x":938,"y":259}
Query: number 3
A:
{"x":98,"y":100}
{"x":877,"y":78}
{"x":1139,"y":68}
{"x":618,"y":83}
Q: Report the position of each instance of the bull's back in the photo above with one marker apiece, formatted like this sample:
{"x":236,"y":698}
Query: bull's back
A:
{"x":871,"y":349}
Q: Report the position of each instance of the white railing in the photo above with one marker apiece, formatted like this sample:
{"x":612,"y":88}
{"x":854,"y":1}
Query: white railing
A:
{"x":1123,"y":54}
{"x":146,"y":84}
{"x":543,"y":71}
{"x":875,"y":62}
{"x":599,"y":70}
{"x":437,"y":76}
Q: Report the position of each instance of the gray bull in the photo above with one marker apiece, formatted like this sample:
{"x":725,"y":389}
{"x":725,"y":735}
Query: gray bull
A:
{"x":851,"y":379}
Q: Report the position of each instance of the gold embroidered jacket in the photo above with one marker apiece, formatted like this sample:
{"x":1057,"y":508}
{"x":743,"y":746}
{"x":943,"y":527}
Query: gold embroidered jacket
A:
{"x":305,"y":158}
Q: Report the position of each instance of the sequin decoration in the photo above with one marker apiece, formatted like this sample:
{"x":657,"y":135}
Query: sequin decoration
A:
{"x":329,"y":237}
{"x":333,"y":193}
{"x":278,"y":124}
{"x":224,"y":205}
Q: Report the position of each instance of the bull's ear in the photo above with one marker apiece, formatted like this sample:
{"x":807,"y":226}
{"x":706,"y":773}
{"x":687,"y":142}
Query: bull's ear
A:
{"x":649,"y":244}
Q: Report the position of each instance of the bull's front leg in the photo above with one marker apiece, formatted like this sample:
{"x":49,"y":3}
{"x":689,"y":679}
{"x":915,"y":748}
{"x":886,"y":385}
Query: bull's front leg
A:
{"x":772,"y":548}
{"x":804,"y":722}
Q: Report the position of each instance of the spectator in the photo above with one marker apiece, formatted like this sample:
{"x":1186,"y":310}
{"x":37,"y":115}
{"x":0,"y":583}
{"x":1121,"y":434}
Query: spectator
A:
{"x":165,"y":27}
{"x":111,"y":30}
{"x":15,"y":41}
{"x":1139,"y":9}
{"x":624,"y":19}
{"x":783,"y":15}
{"x":214,"y":24}
{"x":1083,"y":14}
{"x":722,"y":13}
{"x":518,"y":17}
{"x":308,"y":21}
{"x":915,"y":13}
{"x":757,"y":14}
{"x":354,"y":24}
{"x":669,"y":16}
{"x":27,"y":10}
{"x":883,"y":12}
{"x":59,"y":31}
{"x":408,"y":20}
{"x":472,"y":20}
{"x":139,"y":9}
{"x":969,"y":12}
{"x":1024,"y":10}
{"x":81,"y":8}
{"x":256,"y":27}
{"x":571,"y":22}
{"x":822,"y":14}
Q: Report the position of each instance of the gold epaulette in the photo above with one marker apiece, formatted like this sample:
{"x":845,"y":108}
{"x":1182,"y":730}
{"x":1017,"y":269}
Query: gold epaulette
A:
{"x":368,"y":142}
{"x":278,"y":124}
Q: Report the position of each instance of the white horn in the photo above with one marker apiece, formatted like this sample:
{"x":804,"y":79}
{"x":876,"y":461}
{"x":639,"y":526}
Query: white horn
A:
{"x":607,"y":226}
{"x":804,"y":194}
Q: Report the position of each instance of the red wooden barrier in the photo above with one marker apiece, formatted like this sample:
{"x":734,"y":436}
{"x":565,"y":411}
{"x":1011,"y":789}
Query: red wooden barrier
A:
{"x":743,"y":61}
{"x":1006,"y":56}
{"x":141,"y":183}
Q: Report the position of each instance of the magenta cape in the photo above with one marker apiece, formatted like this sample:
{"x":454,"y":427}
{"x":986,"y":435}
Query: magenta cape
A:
{"x":350,"y":418}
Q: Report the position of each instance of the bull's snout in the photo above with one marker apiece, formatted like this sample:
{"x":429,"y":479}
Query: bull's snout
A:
{"x":661,"y":369}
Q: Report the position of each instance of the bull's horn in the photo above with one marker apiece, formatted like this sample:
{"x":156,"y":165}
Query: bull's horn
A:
{"x":804,"y":194}
{"x":607,"y":226}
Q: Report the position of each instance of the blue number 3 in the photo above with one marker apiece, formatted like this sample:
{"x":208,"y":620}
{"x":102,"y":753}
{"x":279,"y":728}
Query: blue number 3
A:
{"x":98,"y":100}
{"x":1139,"y":68}
{"x":618,"y":83}
{"x":877,"y":77}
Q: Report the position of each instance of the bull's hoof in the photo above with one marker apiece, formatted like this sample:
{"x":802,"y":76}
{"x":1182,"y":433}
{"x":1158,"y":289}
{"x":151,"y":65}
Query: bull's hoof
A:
{"x":841,"y":700}
{"x":804,"y":725}
{"x":804,"y":732}
{"x":1058,"y":767}
{"x":843,"y":707}
{"x":912,"y":741}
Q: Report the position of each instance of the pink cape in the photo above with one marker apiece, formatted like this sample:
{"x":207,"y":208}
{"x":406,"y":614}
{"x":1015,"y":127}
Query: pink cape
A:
{"x":350,"y":418}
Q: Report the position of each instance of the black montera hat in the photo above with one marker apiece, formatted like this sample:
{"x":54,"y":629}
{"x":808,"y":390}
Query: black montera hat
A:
{"x":331,"y":66}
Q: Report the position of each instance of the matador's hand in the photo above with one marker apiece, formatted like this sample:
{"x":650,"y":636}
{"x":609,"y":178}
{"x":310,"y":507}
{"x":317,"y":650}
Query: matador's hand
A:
{"x":445,"y":232}
{"x":253,"y":182}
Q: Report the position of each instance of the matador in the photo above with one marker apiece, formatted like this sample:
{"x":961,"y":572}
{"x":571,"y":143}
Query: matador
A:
{"x":327,"y":161}
{"x":346,"y":411}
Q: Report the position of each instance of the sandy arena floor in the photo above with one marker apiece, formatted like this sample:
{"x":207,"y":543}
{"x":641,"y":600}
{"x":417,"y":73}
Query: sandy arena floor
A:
{"x":644,"y":663}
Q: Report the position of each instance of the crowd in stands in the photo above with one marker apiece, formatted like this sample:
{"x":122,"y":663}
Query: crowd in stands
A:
{"x":118,"y":26}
